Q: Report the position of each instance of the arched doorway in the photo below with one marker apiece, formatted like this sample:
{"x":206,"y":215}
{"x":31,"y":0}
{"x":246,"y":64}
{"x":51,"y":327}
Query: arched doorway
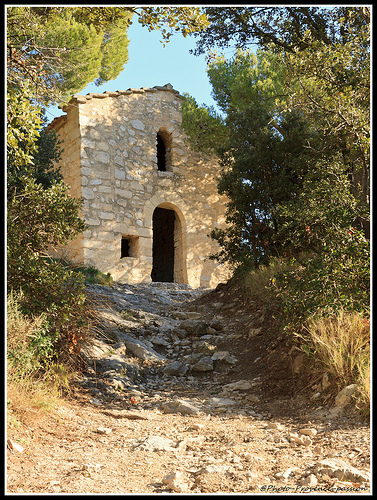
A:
{"x":167,"y":248}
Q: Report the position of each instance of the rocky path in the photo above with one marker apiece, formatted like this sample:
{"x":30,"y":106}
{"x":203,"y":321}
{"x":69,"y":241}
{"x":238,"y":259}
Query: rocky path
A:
{"x":181,"y":394}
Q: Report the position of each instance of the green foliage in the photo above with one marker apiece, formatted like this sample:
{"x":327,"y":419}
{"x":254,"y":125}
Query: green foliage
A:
{"x":114,"y":50}
{"x":332,"y":84}
{"x":168,"y":19}
{"x":88,"y":55}
{"x":287,"y":29}
{"x":333,"y":271}
{"x":295,"y":163}
{"x":93,"y":275}
{"x":204,"y":127}
{"x":264,"y":160}
{"x":42,"y":168}
{"x":63,"y":49}
{"x":28,"y":342}
{"x":47,"y":155}
{"x":39,"y":219}
{"x":23,"y":123}
{"x":238,"y":80}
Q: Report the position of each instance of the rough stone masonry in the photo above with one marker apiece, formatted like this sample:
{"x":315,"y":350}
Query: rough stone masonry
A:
{"x":149,"y":201}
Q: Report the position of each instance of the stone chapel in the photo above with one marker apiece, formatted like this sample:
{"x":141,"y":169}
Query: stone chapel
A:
{"x":149,"y":202}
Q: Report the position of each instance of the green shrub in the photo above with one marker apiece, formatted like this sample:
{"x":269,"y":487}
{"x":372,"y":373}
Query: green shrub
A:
{"x":34,"y":380}
{"x":327,"y":282}
{"x":334,"y":270}
{"x":94,"y":276}
{"x":28,"y":341}
{"x":39,"y":219}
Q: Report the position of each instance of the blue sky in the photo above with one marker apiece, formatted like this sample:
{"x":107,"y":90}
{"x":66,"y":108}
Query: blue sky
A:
{"x":150,"y":64}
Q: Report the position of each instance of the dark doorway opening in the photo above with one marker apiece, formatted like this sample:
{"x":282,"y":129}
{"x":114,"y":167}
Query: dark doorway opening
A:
{"x":163,"y":245}
{"x":161,"y":154}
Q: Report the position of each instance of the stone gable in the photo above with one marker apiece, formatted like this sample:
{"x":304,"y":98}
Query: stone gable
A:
{"x":149,"y":201}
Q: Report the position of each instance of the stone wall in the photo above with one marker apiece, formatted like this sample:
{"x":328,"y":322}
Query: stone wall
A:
{"x":110,"y":159}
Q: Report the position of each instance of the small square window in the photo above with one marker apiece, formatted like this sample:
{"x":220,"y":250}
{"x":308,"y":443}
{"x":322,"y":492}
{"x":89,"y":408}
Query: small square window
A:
{"x":129,"y":246}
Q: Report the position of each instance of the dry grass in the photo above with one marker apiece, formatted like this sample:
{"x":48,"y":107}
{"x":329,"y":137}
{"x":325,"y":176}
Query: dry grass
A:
{"x":342,"y":348}
{"x":337,"y":344}
{"x":260,"y":282}
{"x":30,"y":392}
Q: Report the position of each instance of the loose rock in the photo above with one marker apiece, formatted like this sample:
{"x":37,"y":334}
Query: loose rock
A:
{"x":309,"y":432}
{"x":337,"y":468}
{"x":175,"y":482}
{"x":344,"y":396}
{"x":175,"y":368}
{"x":205,"y":364}
{"x":156,"y":443}
{"x":180,"y":406}
{"x":13,"y":445}
{"x":310,"y":481}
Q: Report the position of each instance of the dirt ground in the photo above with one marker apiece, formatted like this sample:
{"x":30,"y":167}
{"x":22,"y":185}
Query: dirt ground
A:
{"x":131,"y":445}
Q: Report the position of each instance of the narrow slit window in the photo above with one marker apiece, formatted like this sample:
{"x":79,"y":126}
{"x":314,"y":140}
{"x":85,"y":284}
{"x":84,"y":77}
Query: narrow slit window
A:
{"x":161,"y":154}
{"x":163,"y":150}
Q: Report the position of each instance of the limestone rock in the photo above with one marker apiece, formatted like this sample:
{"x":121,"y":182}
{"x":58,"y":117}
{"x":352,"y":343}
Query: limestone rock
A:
{"x":130,"y":371}
{"x":95,"y":401}
{"x":286,"y":474}
{"x":194,"y":327}
{"x":175,"y":368}
{"x":337,"y":468}
{"x":224,"y":356}
{"x":206,"y":348}
{"x":325,"y":381}
{"x":13,"y":445}
{"x":205,"y":364}
{"x":303,"y":440}
{"x":103,"y":430}
{"x":253,"y":332}
{"x":193,"y":358}
{"x":156,"y":443}
{"x":298,"y":364}
{"x":114,"y":362}
{"x":175,"y":481}
{"x":179,"y":315}
{"x":240,"y":385}
{"x":318,"y":450}
{"x":308,"y":432}
{"x":118,"y":348}
{"x":159,"y":341}
{"x":142,"y":351}
{"x":193,"y":315}
{"x":216,"y":325}
{"x":310,"y":481}
{"x":344,"y":396}
{"x":219,"y":402}
{"x":181,"y":406}
{"x":196,"y":427}
{"x":208,"y":469}
{"x":180,"y":332}
{"x":274,"y":425}
{"x":96,"y":349}
{"x":252,"y":398}
{"x":125,"y":414}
